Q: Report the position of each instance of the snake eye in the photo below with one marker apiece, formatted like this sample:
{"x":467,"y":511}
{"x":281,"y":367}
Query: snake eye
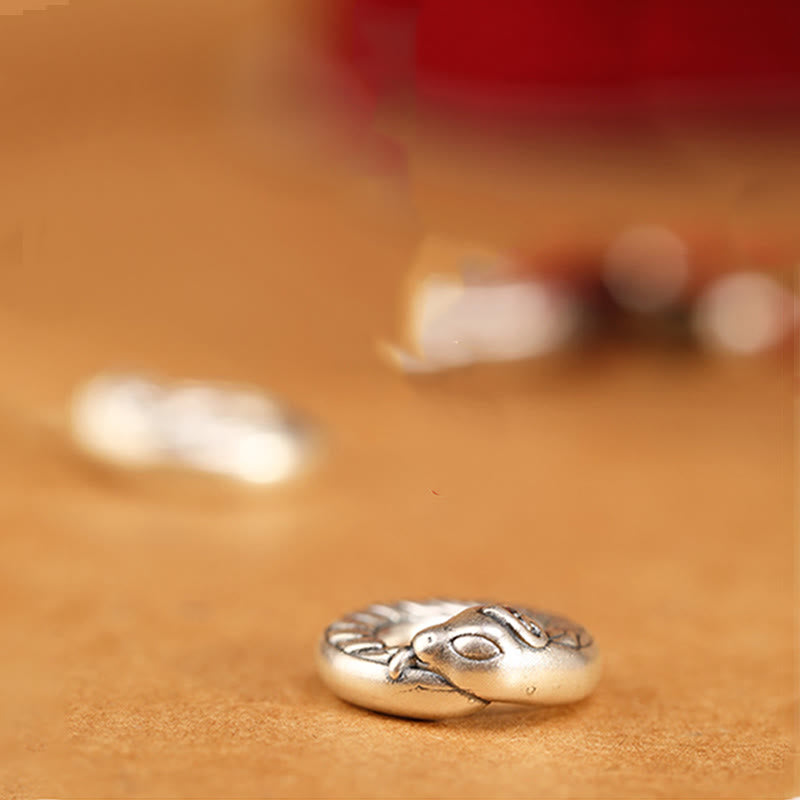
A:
{"x":474,"y":647}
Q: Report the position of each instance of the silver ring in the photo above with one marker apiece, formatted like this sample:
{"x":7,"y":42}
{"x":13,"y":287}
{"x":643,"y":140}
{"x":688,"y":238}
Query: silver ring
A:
{"x":448,"y":658}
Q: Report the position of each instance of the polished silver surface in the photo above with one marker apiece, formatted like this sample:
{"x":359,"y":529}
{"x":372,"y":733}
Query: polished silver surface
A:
{"x":449,"y":658}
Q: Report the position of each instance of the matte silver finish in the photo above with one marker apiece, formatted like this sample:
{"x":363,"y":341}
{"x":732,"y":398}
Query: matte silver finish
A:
{"x":449,"y":658}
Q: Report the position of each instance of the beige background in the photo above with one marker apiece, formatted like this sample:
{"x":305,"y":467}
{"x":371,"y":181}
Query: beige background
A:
{"x":158,"y":635}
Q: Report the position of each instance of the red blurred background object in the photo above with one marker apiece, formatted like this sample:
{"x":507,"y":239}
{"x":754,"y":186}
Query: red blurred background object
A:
{"x":526,"y":54}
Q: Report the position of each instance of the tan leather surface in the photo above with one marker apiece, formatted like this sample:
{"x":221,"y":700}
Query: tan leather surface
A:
{"x":158,"y":634}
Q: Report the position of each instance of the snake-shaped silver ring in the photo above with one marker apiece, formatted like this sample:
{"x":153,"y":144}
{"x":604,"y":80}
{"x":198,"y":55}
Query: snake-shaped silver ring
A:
{"x":448,"y":658}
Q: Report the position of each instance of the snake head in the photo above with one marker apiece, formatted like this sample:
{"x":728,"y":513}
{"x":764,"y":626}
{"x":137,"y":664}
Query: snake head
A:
{"x":482,"y":649}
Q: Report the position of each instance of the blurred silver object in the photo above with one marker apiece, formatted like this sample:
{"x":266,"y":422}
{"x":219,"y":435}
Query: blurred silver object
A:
{"x":237,"y":432}
{"x":448,"y":658}
{"x":468,"y":304}
{"x":745,"y":313}
{"x":456,"y":322}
